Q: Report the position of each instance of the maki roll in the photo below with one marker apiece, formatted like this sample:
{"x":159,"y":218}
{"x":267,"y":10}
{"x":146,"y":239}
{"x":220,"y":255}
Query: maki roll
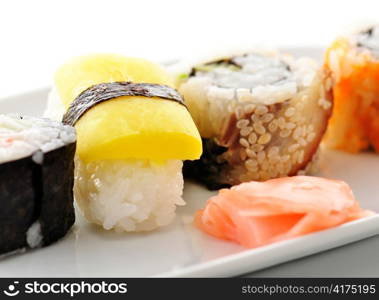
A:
{"x":354,"y":62}
{"x":133,"y":132}
{"x":36,"y":182}
{"x":261,"y":115}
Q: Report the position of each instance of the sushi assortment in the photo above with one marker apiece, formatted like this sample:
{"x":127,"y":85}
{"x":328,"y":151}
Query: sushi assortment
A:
{"x":36,"y":182}
{"x":261,"y":116}
{"x":354,"y":63}
{"x":133,"y":130}
{"x":118,"y":134}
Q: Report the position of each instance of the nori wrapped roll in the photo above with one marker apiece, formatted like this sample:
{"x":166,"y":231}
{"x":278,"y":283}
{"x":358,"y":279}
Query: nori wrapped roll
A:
{"x":36,"y":182}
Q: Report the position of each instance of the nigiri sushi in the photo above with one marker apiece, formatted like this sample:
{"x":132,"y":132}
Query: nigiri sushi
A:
{"x":261,"y":115}
{"x":36,"y":182}
{"x":254,"y":214}
{"x":354,"y":62}
{"x":134,"y":131}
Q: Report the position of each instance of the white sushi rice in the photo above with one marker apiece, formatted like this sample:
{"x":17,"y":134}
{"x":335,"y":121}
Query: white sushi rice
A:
{"x":22,"y":136}
{"x":124,"y":195}
{"x":34,"y":236}
{"x":129,"y":195}
{"x":262,"y":79}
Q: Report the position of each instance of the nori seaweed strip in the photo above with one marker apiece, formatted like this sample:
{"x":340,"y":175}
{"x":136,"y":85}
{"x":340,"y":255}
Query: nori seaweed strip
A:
{"x":57,"y":213}
{"x":226,"y":61}
{"x":106,"y":91}
{"x":31,"y":192}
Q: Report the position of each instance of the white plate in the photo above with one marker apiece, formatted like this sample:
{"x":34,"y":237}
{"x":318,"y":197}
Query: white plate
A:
{"x":180,"y":249}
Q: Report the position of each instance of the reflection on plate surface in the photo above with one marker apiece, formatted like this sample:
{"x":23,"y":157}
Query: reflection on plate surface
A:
{"x":180,"y":249}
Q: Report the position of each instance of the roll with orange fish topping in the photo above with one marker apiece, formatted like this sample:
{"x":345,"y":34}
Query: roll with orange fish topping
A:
{"x":354,"y":63}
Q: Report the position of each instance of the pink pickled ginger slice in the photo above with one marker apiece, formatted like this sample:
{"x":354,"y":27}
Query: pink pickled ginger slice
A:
{"x":259,"y":213}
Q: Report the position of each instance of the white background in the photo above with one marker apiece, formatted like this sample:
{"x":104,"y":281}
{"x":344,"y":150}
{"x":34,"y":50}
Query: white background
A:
{"x":36,"y":36}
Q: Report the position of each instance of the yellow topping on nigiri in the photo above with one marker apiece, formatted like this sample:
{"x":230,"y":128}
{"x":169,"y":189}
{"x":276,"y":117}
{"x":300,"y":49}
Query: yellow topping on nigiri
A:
{"x":128,"y":126}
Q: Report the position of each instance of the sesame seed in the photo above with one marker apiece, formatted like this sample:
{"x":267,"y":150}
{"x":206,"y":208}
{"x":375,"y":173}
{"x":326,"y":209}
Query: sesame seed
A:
{"x":289,"y":112}
{"x":261,"y":110}
{"x":303,"y":130}
{"x":302,"y":142}
{"x":293,"y":148}
{"x":242,"y":123}
{"x":250,"y":153}
{"x":257,"y":148}
{"x":251,"y":163}
{"x":273,"y":151}
{"x":274,"y":159}
{"x":246,"y":131}
{"x":252,"y":138}
{"x":273,"y":126}
{"x":297,"y":133}
{"x":252,"y":168}
{"x":261,"y":156}
{"x":264,"y":139}
{"x":285,"y":133}
{"x":285,"y":158}
{"x":249,"y":108}
{"x":327,"y":105}
{"x":258,"y":127}
{"x":311,"y":137}
{"x":255,"y":118}
{"x":290,"y":125}
{"x":281,"y":123}
{"x":267,"y":117}
{"x":244,"y":142}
